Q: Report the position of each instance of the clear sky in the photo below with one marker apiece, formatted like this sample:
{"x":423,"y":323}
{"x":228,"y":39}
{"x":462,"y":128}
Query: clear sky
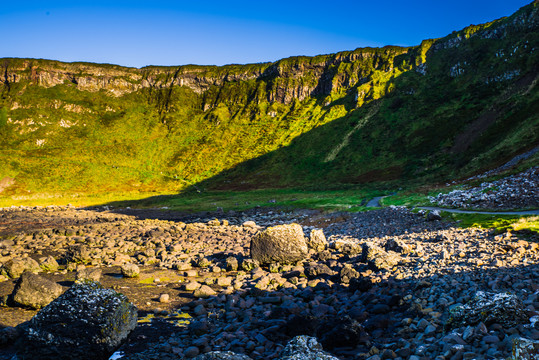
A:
{"x":154,"y":32}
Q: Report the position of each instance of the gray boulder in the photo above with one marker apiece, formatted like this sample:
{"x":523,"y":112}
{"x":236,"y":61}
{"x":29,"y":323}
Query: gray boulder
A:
{"x":284,"y":244}
{"x":34,"y":291}
{"x":317,"y":240}
{"x":16,"y":267}
{"x":305,"y":348}
{"x":87,"y":321}
{"x":489,"y":308}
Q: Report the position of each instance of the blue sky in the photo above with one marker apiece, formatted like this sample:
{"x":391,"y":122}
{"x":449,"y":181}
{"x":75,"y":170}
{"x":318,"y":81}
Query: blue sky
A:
{"x":139,"y":33}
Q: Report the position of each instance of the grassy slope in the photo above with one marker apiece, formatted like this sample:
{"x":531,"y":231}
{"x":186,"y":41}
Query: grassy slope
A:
{"x":382,"y":121}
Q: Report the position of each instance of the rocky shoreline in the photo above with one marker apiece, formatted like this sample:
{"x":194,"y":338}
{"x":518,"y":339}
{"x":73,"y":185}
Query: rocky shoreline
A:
{"x":384,"y":284}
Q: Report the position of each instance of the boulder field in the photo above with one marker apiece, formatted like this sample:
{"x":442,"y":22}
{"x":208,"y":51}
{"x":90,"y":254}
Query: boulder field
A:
{"x":384,"y":284}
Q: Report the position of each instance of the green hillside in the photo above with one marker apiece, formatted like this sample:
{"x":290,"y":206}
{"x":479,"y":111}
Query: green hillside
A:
{"x":445,"y":109}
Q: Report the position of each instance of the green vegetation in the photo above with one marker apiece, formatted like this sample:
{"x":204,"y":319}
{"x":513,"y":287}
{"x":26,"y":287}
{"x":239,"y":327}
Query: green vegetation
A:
{"x":500,"y":223}
{"x":396,"y":117}
{"x":192,"y":201}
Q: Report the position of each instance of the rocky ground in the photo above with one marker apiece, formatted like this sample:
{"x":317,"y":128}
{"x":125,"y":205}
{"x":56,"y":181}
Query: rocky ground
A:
{"x":519,"y":191}
{"x":387,"y":284}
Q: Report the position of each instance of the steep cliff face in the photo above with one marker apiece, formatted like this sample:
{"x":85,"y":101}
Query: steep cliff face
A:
{"x":447,"y":107}
{"x":287,"y":79}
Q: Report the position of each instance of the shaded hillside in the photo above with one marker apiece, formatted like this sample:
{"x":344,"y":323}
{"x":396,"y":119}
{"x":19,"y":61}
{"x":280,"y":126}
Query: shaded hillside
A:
{"x":446,"y":108}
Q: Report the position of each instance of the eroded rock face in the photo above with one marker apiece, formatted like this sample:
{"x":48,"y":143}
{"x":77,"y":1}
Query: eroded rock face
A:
{"x":86,"y":322}
{"x":284,"y":244}
{"x":502,"y":308}
{"x":34,"y":291}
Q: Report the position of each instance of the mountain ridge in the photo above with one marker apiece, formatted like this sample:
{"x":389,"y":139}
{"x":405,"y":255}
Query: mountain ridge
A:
{"x":76,"y":125}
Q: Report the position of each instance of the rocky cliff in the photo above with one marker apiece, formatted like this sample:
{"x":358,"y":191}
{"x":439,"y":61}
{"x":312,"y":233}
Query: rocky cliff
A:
{"x":447,"y":107}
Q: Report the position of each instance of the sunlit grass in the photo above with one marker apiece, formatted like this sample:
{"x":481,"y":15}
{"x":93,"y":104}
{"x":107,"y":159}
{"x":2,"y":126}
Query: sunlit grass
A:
{"x":500,"y":223}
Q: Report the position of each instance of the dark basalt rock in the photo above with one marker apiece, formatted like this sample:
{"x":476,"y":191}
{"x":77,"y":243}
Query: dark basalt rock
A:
{"x":88,"y":321}
{"x":489,"y":308}
{"x":341,"y":332}
{"x":302,"y":325}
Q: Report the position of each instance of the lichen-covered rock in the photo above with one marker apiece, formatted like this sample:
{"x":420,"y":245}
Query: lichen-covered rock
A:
{"x":525,"y":349}
{"x":501,"y":308}
{"x":305,"y":348}
{"x":88,"y":321}
{"x":48,"y":264}
{"x":317,"y":240}
{"x":16,"y":267}
{"x":284,"y":244}
{"x":130,"y":270}
{"x":34,"y":291}
{"x":222,"y":355}
{"x":249,"y":264}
